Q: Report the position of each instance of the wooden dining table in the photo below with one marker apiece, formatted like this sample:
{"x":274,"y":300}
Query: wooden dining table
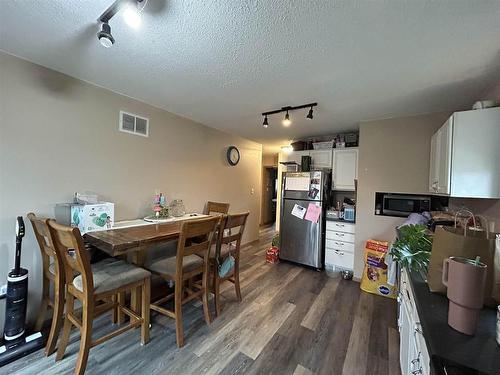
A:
{"x":136,"y":237}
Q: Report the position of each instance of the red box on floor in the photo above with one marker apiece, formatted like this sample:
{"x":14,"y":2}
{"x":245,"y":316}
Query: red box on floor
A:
{"x":272,"y":255}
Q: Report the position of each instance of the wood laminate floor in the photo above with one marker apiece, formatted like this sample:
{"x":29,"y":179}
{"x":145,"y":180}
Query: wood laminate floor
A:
{"x":292,"y":320}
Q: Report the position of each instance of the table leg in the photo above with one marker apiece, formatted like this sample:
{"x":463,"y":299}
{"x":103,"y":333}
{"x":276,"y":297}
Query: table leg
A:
{"x":137,"y":259}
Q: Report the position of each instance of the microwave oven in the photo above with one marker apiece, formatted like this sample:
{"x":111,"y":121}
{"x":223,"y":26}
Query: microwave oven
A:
{"x":404,"y":205}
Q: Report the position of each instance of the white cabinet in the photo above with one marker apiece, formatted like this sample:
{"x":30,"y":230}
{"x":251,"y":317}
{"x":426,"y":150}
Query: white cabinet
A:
{"x":344,"y":168}
{"x":413,"y":354}
{"x":339,"y":245}
{"x":295,"y":156}
{"x":465,"y":155}
{"x":440,"y":160}
{"x":321,"y":158}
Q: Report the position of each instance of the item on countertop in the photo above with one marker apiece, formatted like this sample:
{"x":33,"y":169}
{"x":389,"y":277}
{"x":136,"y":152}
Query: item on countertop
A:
{"x":177,"y":208}
{"x":160,"y":207}
{"x":465,"y":280}
{"x":349,"y":213}
{"x":463,"y":242}
{"x":332,"y":214}
{"x":412,"y":248}
{"x":374,"y":279}
{"x":299,"y":145}
{"x":351,"y":140}
{"x":323,"y":145}
{"x":378,"y":209}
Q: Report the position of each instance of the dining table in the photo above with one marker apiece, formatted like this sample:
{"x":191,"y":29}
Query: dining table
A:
{"x":136,"y":237}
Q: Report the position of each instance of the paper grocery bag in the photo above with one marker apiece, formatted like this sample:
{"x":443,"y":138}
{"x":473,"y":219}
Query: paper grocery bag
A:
{"x":449,"y":241}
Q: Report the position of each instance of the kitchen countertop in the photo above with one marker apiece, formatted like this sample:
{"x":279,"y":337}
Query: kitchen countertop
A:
{"x":448,"y":347}
{"x":342,"y":220}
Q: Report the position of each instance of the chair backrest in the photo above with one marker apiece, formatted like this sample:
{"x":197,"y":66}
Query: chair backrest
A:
{"x":216,"y":207}
{"x":192,"y":229}
{"x":47,"y":248}
{"x":69,"y":244}
{"x":232,"y":229}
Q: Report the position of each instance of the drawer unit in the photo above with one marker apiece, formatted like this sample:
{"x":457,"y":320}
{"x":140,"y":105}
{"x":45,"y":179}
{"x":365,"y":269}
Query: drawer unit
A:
{"x":339,"y":259}
{"x":339,"y":245}
{"x":340,"y":236}
{"x":340,"y":226}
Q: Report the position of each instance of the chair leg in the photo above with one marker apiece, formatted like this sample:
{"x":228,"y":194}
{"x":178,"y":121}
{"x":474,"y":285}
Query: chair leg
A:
{"x":204,"y":297}
{"x":57,"y":319}
{"x":237,"y":281}
{"x":217,"y":294}
{"x":179,"y":329}
{"x":146,"y":290}
{"x":44,"y":305}
{"x":121,"y":301}
{"x":70,"y":299}
{"x":114,"y":312}
{"x":86,"y":337}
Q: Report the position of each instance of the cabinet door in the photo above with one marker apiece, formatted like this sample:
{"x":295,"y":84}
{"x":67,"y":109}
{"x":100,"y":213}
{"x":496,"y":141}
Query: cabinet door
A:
{"x":444,"y":169}
{"x":345,"y":169}
{"x":296,"y":156}
{"x":321,"y":158}
{"x":433,"y":167}
{"x":404,"y":340}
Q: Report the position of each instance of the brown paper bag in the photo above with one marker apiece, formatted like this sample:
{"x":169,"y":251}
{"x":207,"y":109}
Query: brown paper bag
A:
{"x":449,"y":241}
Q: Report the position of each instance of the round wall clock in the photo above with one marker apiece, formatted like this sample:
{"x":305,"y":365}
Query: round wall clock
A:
{"x":233,"y":155}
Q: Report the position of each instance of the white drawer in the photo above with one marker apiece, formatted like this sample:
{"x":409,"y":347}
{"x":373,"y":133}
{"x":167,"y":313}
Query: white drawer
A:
{"x":340,"y":236}
{"x":340,"y":226}
{"x":339,"y":259}
{"x":339,"y":245}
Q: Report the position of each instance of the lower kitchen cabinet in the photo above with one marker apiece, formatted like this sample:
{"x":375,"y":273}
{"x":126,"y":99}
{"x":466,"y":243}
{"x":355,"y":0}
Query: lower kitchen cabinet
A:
{"x":339,"y":245}
{"x":413,"y":355}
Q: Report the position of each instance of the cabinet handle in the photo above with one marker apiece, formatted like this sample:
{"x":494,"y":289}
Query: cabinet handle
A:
{"x":340,"y":225}
{"x":340,"y":234}
{"x":339,"y":243}
{"x":339,"y":252}
{"x":417,"y":372}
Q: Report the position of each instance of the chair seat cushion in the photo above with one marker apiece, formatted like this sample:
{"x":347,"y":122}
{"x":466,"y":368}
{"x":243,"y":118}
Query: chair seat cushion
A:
{"x":112,"y":274}
{"x":167,"y":266}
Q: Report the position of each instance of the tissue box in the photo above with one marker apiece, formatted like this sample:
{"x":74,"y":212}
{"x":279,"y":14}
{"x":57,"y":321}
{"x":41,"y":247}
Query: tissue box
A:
{"x":87,"y":217}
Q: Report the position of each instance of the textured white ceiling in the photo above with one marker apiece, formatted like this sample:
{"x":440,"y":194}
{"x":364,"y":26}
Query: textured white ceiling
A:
{"x":224,"y":62}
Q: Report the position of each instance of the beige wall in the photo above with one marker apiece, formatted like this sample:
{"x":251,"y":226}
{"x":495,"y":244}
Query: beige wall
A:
{"x":270,"y":160}
{"x":60,"y":135}
{"x":393,"y":157}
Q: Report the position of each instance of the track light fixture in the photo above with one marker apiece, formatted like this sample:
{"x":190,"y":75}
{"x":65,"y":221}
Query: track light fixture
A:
{"x":310,"y":114}
{"x":131,"y":14}
{"x":287,"y":121}
{"x":105,"y":36}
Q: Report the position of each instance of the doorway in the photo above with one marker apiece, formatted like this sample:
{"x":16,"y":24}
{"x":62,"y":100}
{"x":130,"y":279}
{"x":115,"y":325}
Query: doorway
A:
{"x":269,"y":195}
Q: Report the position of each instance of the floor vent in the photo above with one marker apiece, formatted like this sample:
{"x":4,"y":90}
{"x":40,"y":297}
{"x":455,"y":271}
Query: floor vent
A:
{"x":133,"y":124}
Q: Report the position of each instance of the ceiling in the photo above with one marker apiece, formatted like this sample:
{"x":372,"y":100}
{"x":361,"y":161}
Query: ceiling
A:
{"x":223,"y":62}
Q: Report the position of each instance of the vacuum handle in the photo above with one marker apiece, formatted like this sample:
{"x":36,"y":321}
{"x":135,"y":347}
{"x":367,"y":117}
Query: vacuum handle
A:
{"x":19,"y":238}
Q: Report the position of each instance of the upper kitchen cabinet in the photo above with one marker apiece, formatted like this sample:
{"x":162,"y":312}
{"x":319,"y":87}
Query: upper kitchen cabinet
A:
{"x":321,"y":158}
{"x":465,"y":155}
{"x":345,"y":168}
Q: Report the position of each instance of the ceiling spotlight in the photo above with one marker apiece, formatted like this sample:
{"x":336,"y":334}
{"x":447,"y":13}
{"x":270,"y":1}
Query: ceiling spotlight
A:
{"x":105,"y":36}
{"x":132,"y":16}
{"x":310,"y":114}
{"x":286,"y":120}
{"x":265,"y":123}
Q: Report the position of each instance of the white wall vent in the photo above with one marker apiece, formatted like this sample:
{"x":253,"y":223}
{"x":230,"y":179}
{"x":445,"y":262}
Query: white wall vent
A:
{"x":133,"y":124}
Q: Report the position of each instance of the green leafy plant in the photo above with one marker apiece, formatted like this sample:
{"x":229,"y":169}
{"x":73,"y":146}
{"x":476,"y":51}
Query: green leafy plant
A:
{"x":413,"y":247}
{"x":276,"y":240}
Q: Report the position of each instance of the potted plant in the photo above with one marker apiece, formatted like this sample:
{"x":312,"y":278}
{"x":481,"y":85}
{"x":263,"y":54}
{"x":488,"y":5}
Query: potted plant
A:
{"x":413,"y":247}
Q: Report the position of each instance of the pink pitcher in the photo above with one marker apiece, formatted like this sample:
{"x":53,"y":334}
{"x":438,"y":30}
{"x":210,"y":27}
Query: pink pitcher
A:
{"x":465,"y":281}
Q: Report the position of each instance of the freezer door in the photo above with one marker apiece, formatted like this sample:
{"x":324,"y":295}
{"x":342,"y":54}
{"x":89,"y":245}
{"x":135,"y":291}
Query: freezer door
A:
{"x":300,"y":240}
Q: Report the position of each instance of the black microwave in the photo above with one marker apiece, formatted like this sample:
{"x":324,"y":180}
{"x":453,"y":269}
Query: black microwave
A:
{"x":404,"y":205}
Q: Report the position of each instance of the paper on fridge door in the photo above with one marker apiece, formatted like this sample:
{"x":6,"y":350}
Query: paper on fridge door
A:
{"x":313,"y":213}
{"x":297,"y":183}
{"x":298,"y":211}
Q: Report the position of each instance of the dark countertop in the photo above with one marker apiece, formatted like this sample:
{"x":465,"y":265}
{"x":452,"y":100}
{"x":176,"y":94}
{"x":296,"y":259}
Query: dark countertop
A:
{"x":342,"y":220}
{"x":479,"y":353}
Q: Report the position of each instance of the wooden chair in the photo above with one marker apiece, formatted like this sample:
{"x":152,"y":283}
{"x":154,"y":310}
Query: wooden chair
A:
{"x":191,"y":261}
{"x":216,"y":207}
{"x":97,"y":288}
{"x":228,"y":242}
{"x":52,"y":272}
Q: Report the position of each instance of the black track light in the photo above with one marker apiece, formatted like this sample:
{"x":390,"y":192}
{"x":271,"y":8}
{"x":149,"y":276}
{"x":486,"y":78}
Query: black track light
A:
{"x":105,"y":36}
{"x":310,"y":114}
{"x":265,"y":123}
{"x":286,"y":120}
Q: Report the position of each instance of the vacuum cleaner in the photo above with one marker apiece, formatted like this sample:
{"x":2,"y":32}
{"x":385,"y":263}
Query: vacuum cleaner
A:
{"x":16,"y":343}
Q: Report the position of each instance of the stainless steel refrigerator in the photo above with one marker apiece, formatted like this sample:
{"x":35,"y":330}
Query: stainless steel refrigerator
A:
{"x":302,"y":239}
